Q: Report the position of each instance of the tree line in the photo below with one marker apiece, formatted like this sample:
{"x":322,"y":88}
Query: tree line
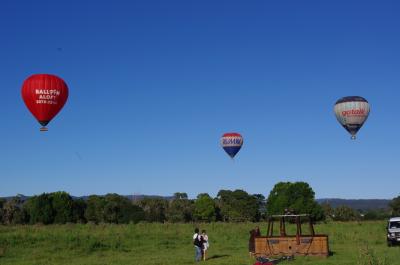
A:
{"x":227,"y":206}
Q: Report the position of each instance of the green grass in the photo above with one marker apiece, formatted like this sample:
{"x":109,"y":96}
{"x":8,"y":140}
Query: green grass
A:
{"x":171,"y":244}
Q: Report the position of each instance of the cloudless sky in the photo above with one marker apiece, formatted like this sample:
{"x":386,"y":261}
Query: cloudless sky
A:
{"x":154,"y":85}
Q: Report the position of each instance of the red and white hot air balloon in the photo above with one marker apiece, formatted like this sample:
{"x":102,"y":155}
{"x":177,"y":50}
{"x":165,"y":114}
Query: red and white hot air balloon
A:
{"x":44,"y":95}
{"x":352,"y":112}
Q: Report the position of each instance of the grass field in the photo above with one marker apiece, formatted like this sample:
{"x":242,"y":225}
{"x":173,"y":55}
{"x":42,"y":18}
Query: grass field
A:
{"x":170,"y":244}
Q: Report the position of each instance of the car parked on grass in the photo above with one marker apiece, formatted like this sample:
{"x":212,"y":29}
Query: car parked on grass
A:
{"x":393,"y":231}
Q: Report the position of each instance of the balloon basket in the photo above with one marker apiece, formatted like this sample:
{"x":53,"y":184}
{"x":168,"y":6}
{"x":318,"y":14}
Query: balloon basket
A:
{"x":353,"y":137}
{"x":43,"y":129}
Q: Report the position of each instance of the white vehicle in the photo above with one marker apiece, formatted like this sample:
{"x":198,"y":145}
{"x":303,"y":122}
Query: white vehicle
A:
{"x":393,"y":231}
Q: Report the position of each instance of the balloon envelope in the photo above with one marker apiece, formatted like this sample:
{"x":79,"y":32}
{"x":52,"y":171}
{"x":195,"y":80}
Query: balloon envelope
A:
{"x":352,"y":112}
{"x":231,"y":143}
{"x":44,"y":95}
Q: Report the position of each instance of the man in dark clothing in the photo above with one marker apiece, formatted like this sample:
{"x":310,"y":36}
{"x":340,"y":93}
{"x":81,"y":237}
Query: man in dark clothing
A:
{"x":198,"y":244}
{"x":252,"y":244}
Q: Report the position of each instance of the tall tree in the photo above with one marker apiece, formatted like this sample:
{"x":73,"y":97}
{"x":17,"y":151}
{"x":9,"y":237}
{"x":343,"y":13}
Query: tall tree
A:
{"x":297,"y":197}
{"x":118,"y":209}
{"x":78,"y":211}
{"x":180,"y":209}
{"x":95,"y":209}
{"x":204,"y":208}
{"x":62,"y":204}
{"x":154,"y":209}
{"x":180,"y":195}
{"x":237,"y":206}
{"x":262,"y":206}
{"x":13,"y":212}
{"x":224,"y":203}
{"x":40,"y":209}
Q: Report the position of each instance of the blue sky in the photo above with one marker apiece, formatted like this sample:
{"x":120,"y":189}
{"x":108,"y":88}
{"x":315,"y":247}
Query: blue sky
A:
{"x":154,"y":84}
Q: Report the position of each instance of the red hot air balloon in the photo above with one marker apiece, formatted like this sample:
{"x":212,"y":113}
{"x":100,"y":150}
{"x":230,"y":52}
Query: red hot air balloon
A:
{"x":44,"y":95}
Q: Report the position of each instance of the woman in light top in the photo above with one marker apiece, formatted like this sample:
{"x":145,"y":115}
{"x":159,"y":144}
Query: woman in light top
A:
{"x":205,"y":243}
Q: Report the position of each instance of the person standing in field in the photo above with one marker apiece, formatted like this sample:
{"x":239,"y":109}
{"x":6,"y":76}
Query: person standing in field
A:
{"x":205,"y":243}
{"x":198,"y":245}
{"x":252,"y":244}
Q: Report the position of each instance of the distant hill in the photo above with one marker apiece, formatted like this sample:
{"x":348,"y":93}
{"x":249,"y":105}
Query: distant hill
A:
{"x":140,"y":197}
{"x":130,"y":197}
{"x":133,"y":197}
{"x":22,"y":197}
{"x":361,"y":204}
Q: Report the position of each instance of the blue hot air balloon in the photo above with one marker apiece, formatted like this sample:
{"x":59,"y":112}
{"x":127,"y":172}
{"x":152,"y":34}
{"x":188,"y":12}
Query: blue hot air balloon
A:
{"x":231,"y":142}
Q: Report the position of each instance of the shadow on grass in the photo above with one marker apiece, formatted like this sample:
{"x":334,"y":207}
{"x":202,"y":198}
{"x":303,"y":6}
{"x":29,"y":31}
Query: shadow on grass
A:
{"x":218,"y":256}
